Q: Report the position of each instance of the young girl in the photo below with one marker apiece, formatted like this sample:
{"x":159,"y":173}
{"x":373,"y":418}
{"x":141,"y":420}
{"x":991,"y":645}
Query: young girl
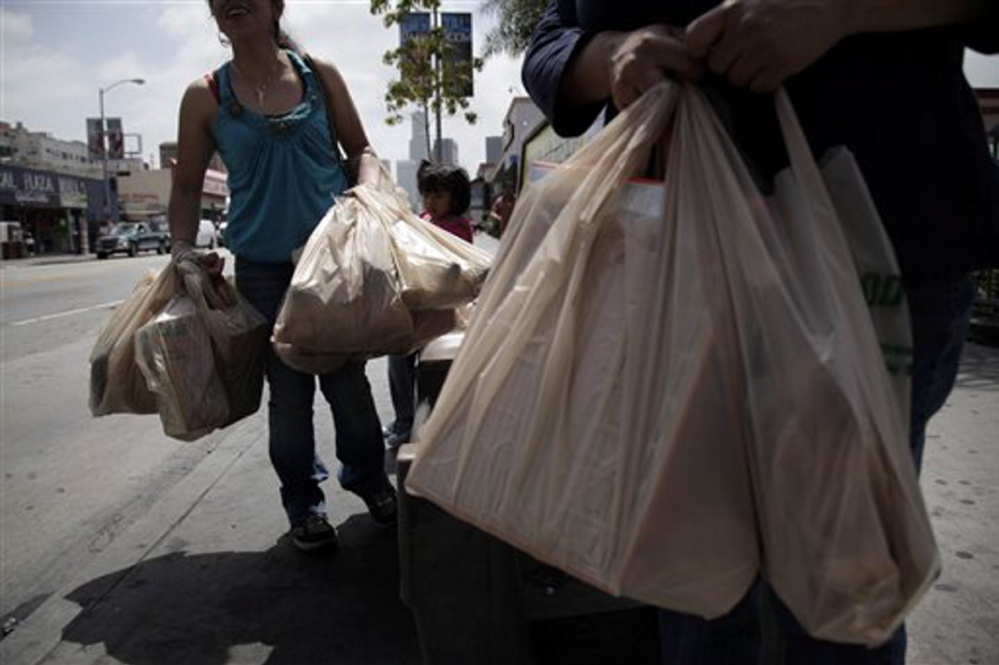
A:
{"x":446,"y":194}
{"x":273,"y":118}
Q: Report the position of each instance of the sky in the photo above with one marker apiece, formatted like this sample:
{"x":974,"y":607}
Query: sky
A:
{"x":55,"y":55}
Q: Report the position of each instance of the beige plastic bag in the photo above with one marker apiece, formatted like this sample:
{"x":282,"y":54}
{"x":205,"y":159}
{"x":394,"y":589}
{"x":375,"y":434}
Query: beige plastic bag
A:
{"x":625,"y":408}
{"x":373,"y":279}
{"x":239,"y":335}
{"x":116,"y":384}
{"x":592,"y":415}
{"x":174,"y":353}
{"x":203,"y":358}
{"x":436,"y":269}
{"x":846,"y":539}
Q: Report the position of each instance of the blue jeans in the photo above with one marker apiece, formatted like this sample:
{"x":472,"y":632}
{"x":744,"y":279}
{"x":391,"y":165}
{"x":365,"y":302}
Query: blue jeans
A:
{"x":291,"y":443}
{"x":940,"y":311}
{"x":402,"y":384}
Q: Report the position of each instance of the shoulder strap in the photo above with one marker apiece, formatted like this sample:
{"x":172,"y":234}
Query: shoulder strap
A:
{"x":212,"y":79}
{"x":318,"y":78}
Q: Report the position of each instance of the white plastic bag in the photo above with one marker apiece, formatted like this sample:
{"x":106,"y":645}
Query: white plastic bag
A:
{"x":634,"y":393}
{"x":373,"y":279}
{"x":116,"y":384}
{"x":591,"y":417}
{"x":846,"y":539}
{"x":202,"y":357}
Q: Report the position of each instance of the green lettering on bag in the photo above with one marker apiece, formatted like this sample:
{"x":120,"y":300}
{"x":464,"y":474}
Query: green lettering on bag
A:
{"x":882,"y":290}
{"x":898,"y":359}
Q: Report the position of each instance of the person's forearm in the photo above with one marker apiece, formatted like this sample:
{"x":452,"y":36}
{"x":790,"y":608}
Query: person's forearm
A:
{"x":899,"y":15}
{"x":587,"y":79}
{"x":183,"y":213}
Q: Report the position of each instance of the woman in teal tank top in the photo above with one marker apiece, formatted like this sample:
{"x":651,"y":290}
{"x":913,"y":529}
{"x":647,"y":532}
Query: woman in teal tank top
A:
{"x":271,"y":115}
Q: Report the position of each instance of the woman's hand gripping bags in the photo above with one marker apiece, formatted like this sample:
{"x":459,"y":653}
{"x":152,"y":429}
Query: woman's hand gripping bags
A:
{"x":668,"y":399}
{"x":374,"y":279}
{"x":184,"y":345}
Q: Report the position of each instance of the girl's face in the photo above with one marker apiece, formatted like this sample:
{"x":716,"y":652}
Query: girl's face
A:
{"x":437,"y":203}
{"x":246,"y":18}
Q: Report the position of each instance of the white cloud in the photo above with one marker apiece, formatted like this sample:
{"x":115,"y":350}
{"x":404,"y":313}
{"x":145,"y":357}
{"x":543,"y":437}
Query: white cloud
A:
{"x":15,"y":28}
{"x":55,"y":63}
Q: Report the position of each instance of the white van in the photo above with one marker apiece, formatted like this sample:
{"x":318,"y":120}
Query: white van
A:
{"x":207,"y":235}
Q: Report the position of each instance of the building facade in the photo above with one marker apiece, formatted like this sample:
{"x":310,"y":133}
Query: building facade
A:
{"x":54,"y":210}
{"x":145,"y":195}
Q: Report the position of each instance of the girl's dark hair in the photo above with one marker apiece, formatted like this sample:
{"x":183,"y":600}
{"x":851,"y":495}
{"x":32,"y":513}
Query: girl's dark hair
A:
{"x":449,"y":178}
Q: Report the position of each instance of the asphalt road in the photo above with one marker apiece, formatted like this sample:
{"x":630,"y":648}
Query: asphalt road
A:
{"x":73,"y":483}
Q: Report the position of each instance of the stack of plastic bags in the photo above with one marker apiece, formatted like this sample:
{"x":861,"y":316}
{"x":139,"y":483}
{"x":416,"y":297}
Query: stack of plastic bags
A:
{"x":374,"y":279}
{"x":186,"y":346}
{"x":669,"y":389}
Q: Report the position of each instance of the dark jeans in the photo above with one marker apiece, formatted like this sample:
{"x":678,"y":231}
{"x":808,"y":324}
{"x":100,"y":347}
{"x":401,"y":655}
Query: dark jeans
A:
{"x":292,"y":444}
{"x":940,"y":310}
{"x":402,"y":385}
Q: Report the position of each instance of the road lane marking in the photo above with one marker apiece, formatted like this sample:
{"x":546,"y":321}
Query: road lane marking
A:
{"x":71,"y":312}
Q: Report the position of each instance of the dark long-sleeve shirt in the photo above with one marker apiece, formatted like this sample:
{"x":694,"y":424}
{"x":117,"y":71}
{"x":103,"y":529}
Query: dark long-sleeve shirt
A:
{"x":899,"y":101}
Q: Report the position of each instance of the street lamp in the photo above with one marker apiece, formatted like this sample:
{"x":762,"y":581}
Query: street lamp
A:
{"x":104,"y":145}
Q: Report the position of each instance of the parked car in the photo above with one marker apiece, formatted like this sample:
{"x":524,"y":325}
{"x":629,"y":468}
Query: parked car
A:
{"x":130,"y":238}
{"x":207,"y":235}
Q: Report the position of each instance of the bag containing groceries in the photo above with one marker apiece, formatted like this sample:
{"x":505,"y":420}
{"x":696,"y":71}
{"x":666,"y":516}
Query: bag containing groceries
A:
{"x":847,"y":544}
{"x":203,"y":356}
{"x":373,"y":279}
{"x":116,"y":383}
{"x":671,"y":388}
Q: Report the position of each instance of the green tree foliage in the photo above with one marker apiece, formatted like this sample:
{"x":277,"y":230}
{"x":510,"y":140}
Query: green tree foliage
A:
{"x":517,"y":20}
{"x":428,"y":78}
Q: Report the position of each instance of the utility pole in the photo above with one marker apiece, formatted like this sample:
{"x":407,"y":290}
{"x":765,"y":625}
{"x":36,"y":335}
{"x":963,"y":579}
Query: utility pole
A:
{"x":439,"y":148}
{"x":105,"y":146}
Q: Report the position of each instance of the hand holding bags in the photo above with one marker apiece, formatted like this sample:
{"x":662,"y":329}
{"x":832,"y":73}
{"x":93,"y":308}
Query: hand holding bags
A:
{"x":203,"y":356}
{"x":185,"y":346}
{"x":651,"y":402}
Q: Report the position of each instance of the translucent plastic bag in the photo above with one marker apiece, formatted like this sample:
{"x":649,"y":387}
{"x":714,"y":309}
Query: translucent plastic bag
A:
{"x":202,"y":358}
{"x":638,"y":398}
{"x":592,"y":415}
{"x":239,"y":335}
{"x":174,"y":353}
{"x":436,"y":269}
{"x":846,"y":539}
{"x":373,"y":279}
{"x":116,"y":384}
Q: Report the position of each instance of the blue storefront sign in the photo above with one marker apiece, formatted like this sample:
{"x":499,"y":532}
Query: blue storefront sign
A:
{"x":31,"y":188}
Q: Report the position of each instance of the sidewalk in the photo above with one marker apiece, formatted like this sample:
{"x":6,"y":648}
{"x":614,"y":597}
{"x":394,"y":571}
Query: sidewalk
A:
{"x":46,"y":260}
{"x":208,"y":578}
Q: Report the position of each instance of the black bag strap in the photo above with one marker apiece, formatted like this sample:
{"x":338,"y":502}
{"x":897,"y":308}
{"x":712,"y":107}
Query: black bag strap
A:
{"x":337,"y":151}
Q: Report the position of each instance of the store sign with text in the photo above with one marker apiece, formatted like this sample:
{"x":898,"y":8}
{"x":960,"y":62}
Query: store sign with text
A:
{"x":27,"y":187}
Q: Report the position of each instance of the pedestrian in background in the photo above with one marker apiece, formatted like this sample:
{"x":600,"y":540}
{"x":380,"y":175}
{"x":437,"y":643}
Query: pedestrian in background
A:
{"x":447,"y":194}
{"x":275,"y":119}
{"x":855,"y":71}
{"x":502,"y":207}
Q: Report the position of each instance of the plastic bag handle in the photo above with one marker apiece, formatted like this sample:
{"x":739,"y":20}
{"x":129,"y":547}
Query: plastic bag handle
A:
{"x":803,"y":163}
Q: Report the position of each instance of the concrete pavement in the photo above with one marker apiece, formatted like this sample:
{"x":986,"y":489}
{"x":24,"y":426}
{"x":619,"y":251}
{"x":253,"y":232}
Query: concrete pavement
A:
{"x":208,"y":577}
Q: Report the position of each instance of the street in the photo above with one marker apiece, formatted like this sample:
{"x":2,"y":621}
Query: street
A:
{"x":82,"y":494}
{"x":71,"y":482}
{"x":62,"y":501}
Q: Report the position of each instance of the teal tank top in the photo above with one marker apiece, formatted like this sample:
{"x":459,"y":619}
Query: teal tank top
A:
{"x":283,"y":172}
